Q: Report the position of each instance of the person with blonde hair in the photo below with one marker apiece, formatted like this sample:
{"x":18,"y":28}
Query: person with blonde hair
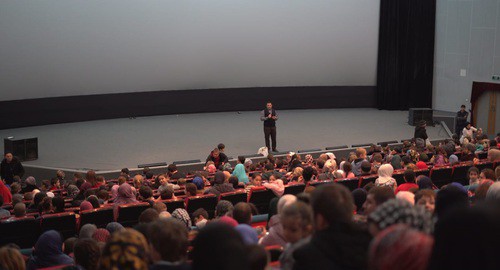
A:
{"x":11,"y":259}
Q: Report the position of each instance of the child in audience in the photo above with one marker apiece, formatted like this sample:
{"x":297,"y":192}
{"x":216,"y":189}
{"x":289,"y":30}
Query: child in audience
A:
{"x":255,"y":182}
{"x":200,"y":218}
{"x":473,"y":175}
{"x":276,"y":185}
{"x":426,"y":198}
{"x":296,"y":220}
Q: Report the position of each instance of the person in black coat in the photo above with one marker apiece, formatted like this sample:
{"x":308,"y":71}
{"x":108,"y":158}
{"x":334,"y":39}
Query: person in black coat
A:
{"x":10,"y":167}
{"x":420,"y":131}
{"x":338,"y":242}
{"x":218,"y":158}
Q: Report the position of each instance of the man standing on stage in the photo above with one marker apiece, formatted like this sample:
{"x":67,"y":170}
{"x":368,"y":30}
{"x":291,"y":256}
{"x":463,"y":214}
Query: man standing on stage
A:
{"x":461,"y":120}
{"x":269,"y":116}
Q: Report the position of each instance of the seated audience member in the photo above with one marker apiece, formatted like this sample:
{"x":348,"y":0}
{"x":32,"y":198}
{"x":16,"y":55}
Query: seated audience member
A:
{"x":385,"y":177}
{"x":146,"y":194}
{"x":297,"y":221}
{"x":406,"y":196}
{"x":276,"y":233}
{"x":125,"y":195}
{"x":399,"y":212}
{"x":55,"y":184}
{"x":19,"y":210}
{"x":450,"y":198}
{"x":149,"y":215}
{"x":11,"y":259}
{"x":239,"y":171}
{"x":58,"y":204}
{"x":377,"y":196}
{"x":191,"y":189}
{"x":247,"y":233}
{"x":275,"y":185}
{"x":126,"y":249}
{"x":233,"y":180}
{"x":199,"y":182}
{"x":200,"y":218}
{"x":409,"y":176}
{"x":182,"y":216}
{"x":347,"y":169}
{"x":4,"y":213}
{"x":114,"y":189}
{"x":45,"y":206}
{"x":258,"y":257}
{"x":468,"y":152}
{"x":219,"y":186}
{"x":86,"y":231}
{"x":94,"y":201}
{"x":164,"y":184}
{"x":45,"y":187}
{"x":169,"y":245}
{"x":30,"y":185}
{"x":487,"y":174}
{"x":337,"y":243}
{"x":86,"y":205}
{"x":470,"y":230}
{"x":15,"y":188}
{"x":138,"y":181}
{"x":356,"y":164}
{"x":309,"y":174}
{"x":223,"y":208}
{"x":268,"y":171}
{"x":228,"y":242}
{"x":424,"y":182}
{"x":166,"y":194}
{"x":161,"y":208}
{"x":218,"y":158}
{"x":493,"y":155}
{"x":366,"y":168}
{"x":242,"y":213}
{"x":481,"y":190}
{"x":87,"y":254}
{"x":125,"y":172}
{"x":5,"y":193}
{"x":69,"y":245}
{"x":48,"y":252}
{"x":493,"y":193}
{"x":114,"y":227}
{"x":400,"y":248}
{"x":359,"y":196}
{"x":256,"y":181}
{"x":173,"y":173}
{"x":17,"y":198}
{"x":473,"y":176}
{"x":427,"y":199}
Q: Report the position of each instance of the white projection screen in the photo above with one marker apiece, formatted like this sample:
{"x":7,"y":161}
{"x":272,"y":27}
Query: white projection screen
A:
{"x":54,"y":48}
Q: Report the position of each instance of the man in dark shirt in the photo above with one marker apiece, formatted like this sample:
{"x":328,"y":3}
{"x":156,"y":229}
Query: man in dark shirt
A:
{"x":174,"y":173}
{"x":461,"y":120}
{"x":217,"y":157}
{"x":420,"y":131}
{"x":10,"y":167}
{"x":269,"y":116}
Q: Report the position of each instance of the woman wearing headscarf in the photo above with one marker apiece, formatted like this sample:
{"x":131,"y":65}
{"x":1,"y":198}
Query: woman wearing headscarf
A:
{"x":239,"y":171}
{"x":400,"y":248}
{"x":127,"y":249}
{"x":48,"y":252}
{"x":125,"y":195}
{"x":220,"y":186}
{"x":385,"y":177}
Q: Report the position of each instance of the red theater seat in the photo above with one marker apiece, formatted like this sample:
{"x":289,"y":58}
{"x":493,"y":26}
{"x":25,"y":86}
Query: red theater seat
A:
{"x":21,"y":231}
{"x":128,"y":214}
{"x":99,"y":217}
{"x":295,"y":189}
{"x":65,"y":223}
{"x":207,"y":202}
{"x":261,"y":197}
{"x":234,"y":197}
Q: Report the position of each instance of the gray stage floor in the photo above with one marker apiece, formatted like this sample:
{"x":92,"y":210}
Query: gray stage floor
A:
{"x":118,"y":143}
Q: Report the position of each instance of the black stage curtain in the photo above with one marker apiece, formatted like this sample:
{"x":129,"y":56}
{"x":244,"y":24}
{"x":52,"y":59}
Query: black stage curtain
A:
{"x":405,"y":54}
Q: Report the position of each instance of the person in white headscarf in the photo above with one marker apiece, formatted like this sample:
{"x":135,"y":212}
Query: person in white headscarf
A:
{"x":385,"y":177}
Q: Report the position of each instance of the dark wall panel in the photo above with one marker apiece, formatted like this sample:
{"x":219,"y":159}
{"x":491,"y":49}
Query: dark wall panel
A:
{"x":45,"y":111}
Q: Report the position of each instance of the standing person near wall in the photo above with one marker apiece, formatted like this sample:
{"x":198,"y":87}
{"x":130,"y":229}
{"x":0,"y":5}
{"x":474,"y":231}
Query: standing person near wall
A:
{"x":269,"y":117}
{"x":10,"y":167}
{"x":461,"y":120}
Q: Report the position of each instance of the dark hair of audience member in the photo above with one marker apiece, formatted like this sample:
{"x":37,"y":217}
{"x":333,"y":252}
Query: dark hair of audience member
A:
{"x":258,"y":257}
{"x":304,"y":197}
{"x":191,"y":189}
{"x":94,"y":201}
{"x":242,"y":213}
{"x":200,"y":212}
{"x":308,"y":173}
{"x":58,"y":204}
{"x":167,"y":193}
{"x":233,"y":180}
{"x":145,"y":192}
{"x":489,"y":174}
{"x":103,"y":195}
{"x":409,"y":176}
{"x":169,"y":238}
{"x":87,"y":254}
{"x":69,"y":245}
{"x":149,"y":215}
{"x":220,"y":239}
{"x":334,"y":203}
{"x":449,"y":199}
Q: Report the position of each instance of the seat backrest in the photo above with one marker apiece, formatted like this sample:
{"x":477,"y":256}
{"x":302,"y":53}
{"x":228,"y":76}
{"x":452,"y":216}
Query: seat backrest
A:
{"x":425,"y":172}
{"x":261,"y":197}
{"x":99,"y":217}
{"x":367,"y":179}
{"x":320,"y":182}
{"x":22,"y":231}
{"x":128,"y":214}
{"x":484,"y":165}
{"x":350,"y":183}
{"x":207,"y":202}
{"x":65,"y":223}
{"x":294,"y":189}
{"x":460,"y":174}
{"x":173,"y":204}
{"x":441,"y":175}
{"x":234,"y":197}
{"x":399,"y":176}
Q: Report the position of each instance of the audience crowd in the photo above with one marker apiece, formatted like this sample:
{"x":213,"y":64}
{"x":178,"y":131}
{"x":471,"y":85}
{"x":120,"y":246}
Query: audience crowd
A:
{"x":380,"y":225}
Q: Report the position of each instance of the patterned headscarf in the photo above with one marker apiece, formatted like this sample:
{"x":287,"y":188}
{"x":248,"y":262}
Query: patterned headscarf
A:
{"x":309,"y":159}
{"x":127,"y":249}
{"x":401,"y":212}
{"x":183,"y":216}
